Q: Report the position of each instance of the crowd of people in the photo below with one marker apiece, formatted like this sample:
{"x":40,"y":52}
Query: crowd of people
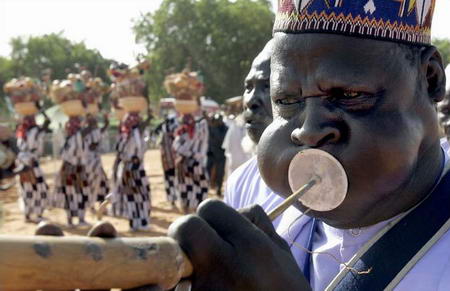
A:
{"x":358,"y":81}
{"x":198,"y":151}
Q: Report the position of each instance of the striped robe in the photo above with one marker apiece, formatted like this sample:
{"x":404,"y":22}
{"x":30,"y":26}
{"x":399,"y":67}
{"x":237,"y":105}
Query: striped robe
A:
{"x":98,"y":182}
{"x":71,"y":183}
{"x":132,"y":182}
{"x":168,"y":129}
{"x":191,"y":179}
{"x":33,"y":188}
{"x":118,"y":202}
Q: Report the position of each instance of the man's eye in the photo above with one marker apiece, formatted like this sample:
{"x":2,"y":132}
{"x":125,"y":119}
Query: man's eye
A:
{"x":353,"y":100}
{"x":287,"y":101}
{"x":350,"y":95}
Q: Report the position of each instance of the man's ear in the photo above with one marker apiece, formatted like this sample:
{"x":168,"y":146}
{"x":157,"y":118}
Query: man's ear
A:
{"x":433,"y":70}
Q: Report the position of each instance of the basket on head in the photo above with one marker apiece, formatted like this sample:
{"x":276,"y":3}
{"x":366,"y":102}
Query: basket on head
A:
{"x":133,"y":103}
{"x":127,"y":91}
{"x":186,"y":106}
{"x":24,"y":94}
{"x":92,"y":108}
{"x":26,"y":108}
{"x":187,"y":89}
{"x":73,"y":108}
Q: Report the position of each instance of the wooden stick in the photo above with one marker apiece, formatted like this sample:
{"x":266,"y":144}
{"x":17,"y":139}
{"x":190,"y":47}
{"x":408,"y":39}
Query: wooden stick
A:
{"x":68,"y":263}
{"x":291,"y":199}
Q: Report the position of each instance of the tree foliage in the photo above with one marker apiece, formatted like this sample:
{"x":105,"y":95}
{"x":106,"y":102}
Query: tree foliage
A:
{"x":220,"y":37}
{"x":443,"y":46}
{"x":30,"y":56}
{"x":5,"y":74}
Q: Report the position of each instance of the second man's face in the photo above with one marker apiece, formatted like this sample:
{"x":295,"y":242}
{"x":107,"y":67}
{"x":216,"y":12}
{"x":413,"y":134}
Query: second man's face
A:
{"x":257,"y":103}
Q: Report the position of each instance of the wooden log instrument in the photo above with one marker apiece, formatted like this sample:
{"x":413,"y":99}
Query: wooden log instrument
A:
{"x":67,"y":263}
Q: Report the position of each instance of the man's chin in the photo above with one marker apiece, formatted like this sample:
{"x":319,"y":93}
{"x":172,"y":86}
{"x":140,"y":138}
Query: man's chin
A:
{"x":254,"y":132}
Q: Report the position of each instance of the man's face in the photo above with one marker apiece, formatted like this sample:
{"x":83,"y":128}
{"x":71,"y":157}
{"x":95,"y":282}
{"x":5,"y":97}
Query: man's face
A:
{"x":360,"y":100}
{"x":257,"y":104}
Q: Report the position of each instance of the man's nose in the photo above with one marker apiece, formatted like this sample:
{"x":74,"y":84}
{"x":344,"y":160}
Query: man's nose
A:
{"x":318,"y":126}
{"x":252,"y":101}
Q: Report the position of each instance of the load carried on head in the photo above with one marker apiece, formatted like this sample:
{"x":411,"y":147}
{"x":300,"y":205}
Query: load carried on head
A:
{"x":24,"y":93}
{"x":94,"y":90}
{"x":68,"y":94}
{"x":187,"y":88}
{"x":127,"y":91}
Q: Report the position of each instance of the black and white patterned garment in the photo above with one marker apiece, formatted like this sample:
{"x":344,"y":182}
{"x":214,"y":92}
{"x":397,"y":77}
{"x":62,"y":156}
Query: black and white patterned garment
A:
{"x":33,"y":188}
{"x":191,"y":179}
{"x":132,"y":182}
{"x":168,"y":129}
{"x":98,"y":182}
{"x":118,"y":202}
{"x":71,"y":183}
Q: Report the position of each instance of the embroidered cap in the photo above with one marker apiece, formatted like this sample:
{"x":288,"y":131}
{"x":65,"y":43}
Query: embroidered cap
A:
{"x":407,"y":21}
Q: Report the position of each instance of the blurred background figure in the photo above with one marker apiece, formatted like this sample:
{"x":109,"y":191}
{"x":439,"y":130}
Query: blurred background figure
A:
{"x":26,"y":95}
{"x":216,"y":154}
{"x":232,"y":144}
{"x":8,"y":152}
{"x":167,"y":129}
{"x":444,"y":107}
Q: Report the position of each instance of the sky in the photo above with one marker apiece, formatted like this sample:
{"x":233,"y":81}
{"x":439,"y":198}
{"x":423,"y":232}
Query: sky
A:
{"x":106,"y":25}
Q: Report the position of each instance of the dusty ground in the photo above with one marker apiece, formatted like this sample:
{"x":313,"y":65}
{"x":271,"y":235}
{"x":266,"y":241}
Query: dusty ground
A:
{"x":161,"y":216}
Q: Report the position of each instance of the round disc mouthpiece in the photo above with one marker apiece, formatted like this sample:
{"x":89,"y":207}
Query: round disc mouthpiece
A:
{"x":331,"y":180}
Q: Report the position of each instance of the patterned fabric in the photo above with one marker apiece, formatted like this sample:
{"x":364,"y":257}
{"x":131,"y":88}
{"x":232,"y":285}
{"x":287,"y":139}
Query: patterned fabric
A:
{"x":118,"y":203}
{"x":187,"y":126}
{"x":132,"y":120}
{"x":191,"y":178}
{"x":168,"y":157}
{"x":169,"y":184}
{"x":26,"y":123}
{"x":98,"y":182}
{"x":132,"y":185}
{"x":33,"y":188}
{"x":73,"y":125}
{"x":394,"y":20}
{"x":71,"y":183}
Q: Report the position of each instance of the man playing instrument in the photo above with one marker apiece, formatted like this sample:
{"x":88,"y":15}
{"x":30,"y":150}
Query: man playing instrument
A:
{"x":359,"y":80}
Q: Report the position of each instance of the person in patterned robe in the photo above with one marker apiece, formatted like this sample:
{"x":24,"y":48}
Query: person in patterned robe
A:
{"x":32,"y":186}
{"x":191,"y":146}
{"x":98,"y":182}
{"x":168,"y":128}
{"x":71,"y":183}
{"x":132,"y":183}
{"x":118,"y":204}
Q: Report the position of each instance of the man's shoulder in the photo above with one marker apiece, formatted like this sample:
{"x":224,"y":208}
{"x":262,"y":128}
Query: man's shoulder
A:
{"x":245,"y":186}
{"x":432,"y":271}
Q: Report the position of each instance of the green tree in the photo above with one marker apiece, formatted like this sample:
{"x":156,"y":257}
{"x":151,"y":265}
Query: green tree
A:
{"x":443,"y":45}
{"x":30,"y":56}
{"x":219,"y":37}
{"x":5,"y":74}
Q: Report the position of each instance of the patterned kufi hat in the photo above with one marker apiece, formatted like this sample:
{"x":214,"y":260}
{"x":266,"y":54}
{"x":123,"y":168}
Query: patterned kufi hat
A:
{"x":407,"y":21}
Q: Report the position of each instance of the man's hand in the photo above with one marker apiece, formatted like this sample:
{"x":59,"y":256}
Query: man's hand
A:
{"x":232,"y":251}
